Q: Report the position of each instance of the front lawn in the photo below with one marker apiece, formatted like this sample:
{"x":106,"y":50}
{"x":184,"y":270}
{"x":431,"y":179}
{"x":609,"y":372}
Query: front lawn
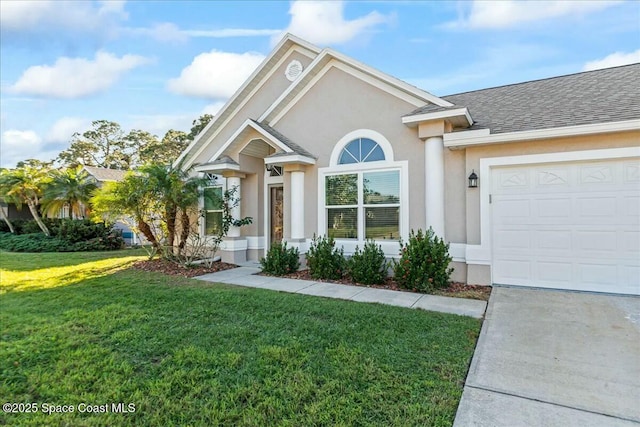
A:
{"x":84,"y":329}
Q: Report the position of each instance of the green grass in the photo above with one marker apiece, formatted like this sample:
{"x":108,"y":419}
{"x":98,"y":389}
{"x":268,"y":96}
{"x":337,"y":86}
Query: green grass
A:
{"x":82,"y":328}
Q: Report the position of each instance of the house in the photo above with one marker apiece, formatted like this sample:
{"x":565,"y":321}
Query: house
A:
{"x":102,"y":175}
{"x":318,"y":143}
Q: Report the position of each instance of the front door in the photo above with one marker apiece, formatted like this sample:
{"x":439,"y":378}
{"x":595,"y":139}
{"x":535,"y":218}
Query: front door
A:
{"x":276,"y":206}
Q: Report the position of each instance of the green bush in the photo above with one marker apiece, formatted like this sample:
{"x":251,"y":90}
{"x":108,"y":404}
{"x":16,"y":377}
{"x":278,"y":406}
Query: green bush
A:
{"x":368,"y":266}
{"x":82,"y":230}
{"x":280,"y":260}
{"x":38,"y":242}
{"x":18,"y":225}
{"x":324,"y":260}
{"x":424,"y":263}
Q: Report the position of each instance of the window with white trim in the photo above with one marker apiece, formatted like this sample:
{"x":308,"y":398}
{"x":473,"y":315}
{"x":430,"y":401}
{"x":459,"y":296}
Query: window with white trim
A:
{"x":212,"y":205}
{"x":362,"y":201}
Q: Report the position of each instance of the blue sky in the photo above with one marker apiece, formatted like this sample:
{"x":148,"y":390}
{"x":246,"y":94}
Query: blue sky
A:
{"x":159,"y":65}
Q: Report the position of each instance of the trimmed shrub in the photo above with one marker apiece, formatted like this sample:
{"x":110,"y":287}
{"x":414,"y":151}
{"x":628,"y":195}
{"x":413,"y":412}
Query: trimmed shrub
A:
{"x":280,"y":260}
{"x":368,"y":266}
{"x":424,"y":262}
{"x":38,"y":242}
{"x":324,"y":260}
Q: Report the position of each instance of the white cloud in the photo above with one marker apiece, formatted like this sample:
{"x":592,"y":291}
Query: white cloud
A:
{"x":169,"y":32}
{"x":159,"y":124}
{"x":15,"y":145}
{"x":39,"y":16}
{"x":510,"y":13}
{"x":324,"y":23}
{"x":76,"y":77}
{"x":231,"y":32}
{"x":614,"y":60}
{"x":215,"y":75}
{"x":213,"y":108}
{"x":64,"y":128}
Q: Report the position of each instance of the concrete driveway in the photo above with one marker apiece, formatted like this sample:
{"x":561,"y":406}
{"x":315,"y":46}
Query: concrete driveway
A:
{"x":554,"y":358}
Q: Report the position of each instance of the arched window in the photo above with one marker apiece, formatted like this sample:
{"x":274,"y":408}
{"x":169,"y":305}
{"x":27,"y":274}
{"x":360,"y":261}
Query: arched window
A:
{"x":364,"y":190}
{"x":361,"y":150}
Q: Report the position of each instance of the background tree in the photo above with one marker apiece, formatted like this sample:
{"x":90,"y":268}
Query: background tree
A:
{"x":25,"y":184}
{"x":72,"y":187}
{"x":104,"y":146}
{"x":165,"y":151}
{"x":131,"y":201}
{"x":198,"y":125}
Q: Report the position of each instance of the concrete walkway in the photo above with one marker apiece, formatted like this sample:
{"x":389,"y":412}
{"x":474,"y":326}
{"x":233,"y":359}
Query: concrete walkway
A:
{"x":246,"y":276}
{"x":555,"y":358}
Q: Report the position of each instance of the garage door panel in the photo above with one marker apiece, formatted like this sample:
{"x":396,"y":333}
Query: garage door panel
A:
{"x":513,"y":239}
{"x":555,"y":272}
{"x":554,"y":240}
{"x":554,"y":208}
{"x":572,"y":225}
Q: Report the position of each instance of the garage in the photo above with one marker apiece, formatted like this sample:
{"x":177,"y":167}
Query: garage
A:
{"x":568,"y":225}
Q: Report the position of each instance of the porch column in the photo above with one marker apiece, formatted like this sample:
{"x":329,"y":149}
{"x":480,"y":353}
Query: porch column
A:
{"x":297,"y":204}
{"x":434,"y":189}
{"x":234,"y":182}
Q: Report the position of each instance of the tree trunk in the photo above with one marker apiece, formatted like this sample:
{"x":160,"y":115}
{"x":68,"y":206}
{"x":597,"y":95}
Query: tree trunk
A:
{"x":6,"y":219}
{"x":148,"y":234}
{"x":185,"y":223}
{"x":34,"y":212}
{"x":170,"y":216}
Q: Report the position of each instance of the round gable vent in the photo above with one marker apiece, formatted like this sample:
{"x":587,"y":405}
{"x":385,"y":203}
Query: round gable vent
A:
{"x":294,"y":69}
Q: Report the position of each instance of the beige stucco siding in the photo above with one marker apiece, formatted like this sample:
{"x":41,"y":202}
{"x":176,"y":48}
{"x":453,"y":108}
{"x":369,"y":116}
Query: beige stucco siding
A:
{"x":252,"y":195}
{"x":340,"y":103}
{"x":455,"y":197}
{"x":578,"y":143}
{"x":257,"y":105}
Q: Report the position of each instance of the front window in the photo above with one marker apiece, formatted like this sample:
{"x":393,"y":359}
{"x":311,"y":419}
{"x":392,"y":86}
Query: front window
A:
{"x":363,"y":205}
{"x":212,"y":210}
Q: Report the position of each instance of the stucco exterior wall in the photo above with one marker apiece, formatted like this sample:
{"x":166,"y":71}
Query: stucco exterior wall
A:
{"x":340,"y":103}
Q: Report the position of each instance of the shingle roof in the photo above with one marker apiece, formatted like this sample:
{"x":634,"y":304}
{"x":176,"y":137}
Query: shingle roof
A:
{"x":104,"y":174}
{"x":601,"y":96}
{"x":297,"y":149}
{"x":225,"y":159}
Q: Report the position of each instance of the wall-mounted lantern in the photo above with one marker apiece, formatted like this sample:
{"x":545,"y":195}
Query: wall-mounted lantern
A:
{"x":473,"y":179}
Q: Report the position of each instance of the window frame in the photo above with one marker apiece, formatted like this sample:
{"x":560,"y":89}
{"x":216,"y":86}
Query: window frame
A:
{"x":390,"y":247}
{"x":218,"y":182}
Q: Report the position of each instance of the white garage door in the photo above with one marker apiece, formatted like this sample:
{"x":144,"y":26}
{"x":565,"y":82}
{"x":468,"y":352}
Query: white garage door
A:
{"x":572,"y":225}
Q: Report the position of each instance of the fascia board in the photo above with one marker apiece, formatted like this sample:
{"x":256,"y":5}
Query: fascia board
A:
{"x":438,"y":115}
{"x":294,"y":158}
{"x":590,"y":129}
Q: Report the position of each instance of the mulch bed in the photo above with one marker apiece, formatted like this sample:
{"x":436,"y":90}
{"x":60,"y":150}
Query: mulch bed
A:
{"x":455,"y":289}
{"x":174,"y":269}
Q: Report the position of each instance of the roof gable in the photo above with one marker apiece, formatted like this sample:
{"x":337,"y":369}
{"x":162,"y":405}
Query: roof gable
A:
{"x":329,"y":58}
{"x":244,"y":94}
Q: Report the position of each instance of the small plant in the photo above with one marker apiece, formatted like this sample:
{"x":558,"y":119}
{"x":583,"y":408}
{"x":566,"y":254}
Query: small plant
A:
{"x":280,"y":260}
{"x":368,"y":266}
{"x":424,"y":262}
{"x":324,"y":260}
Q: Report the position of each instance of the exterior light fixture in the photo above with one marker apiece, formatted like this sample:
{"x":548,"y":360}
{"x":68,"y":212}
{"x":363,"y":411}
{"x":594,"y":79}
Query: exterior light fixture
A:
{"x":268,"y":167}
{"x":473,"y":179}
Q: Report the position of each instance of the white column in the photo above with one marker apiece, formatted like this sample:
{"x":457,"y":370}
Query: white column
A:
{"x":297,"y":205}
{"x":234,"y":182}
{"x":434,"y":190}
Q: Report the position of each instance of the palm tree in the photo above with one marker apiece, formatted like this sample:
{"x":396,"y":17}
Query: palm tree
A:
{"x":72,"y":187}
{"x":25,"y":184}
{"x":177,"y":192}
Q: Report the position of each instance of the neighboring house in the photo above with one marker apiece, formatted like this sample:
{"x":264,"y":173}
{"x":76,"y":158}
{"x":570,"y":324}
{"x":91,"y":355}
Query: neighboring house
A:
{"x":102,"y":175}
{"x":318,"y":143}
